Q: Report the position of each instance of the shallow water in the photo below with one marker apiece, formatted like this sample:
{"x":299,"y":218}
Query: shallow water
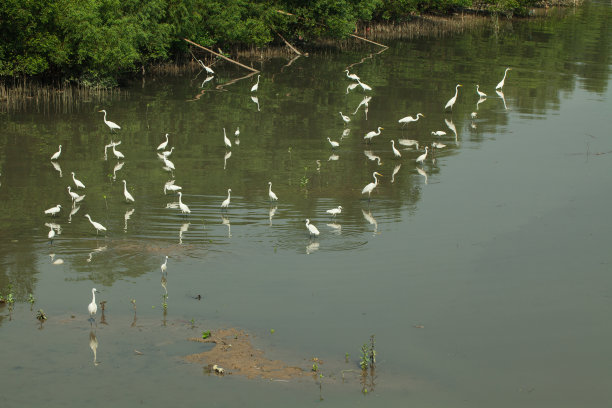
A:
{"x":484,"y":276}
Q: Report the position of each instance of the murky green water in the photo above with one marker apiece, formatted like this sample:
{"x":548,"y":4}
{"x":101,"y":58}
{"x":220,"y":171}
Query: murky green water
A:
{"x":484,"y":273}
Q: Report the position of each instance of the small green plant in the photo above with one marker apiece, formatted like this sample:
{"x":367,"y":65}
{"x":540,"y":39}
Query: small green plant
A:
{"x":206,"y":334}
{"x":304,"y":180}
{"x":164,"y":301}
{"x":105,"y":202}
{"x":315,"y":367}
{"x":272,"y":331}
{"x":133,"y":302}
{"x":192,"y":321}
{"x":346,"y":357}
{"x":10,"y":301}
{"x":31,"y":299}
{"x":364,"y":357}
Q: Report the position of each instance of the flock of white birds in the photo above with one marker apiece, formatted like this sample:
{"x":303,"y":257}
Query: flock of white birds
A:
{"x":170,"y":186}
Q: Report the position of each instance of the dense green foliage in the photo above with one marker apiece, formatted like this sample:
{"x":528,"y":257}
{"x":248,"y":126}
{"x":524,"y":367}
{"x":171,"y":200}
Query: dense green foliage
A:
{"x":94,"y":39}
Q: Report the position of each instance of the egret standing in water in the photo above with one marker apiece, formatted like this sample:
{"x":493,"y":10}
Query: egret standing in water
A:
{"x":164,"y":266}
{"x":396,"y":152}
{"x":312,"y":230}
{"x":99,"y":227}
{"x":92,"y":307}
{"x":73,"y":195}
{"x":421,"y":158}
{"x":117,"y":153}
{"x":53,"y":211}
{"x":409,"y":119}
{"x":368,"y":189}
{"x":225,"y":204}
{"x":271,"y":194}
{"x":333,"y":143}
{"x":56,"y":155}
{"x":77,"y":183}
{"x":345,"y":118}
{"x":126,"y":193}
{"x":365,"y":86}
{"x":480,"y":93}
{"x":256,"y":86}
{"x":370,"y":135}
{"x":183,"y":206}
{"x":500,"y":86}
{"x":452,"y":100}
{"x":51,"y":234}
{"x":334,"y":211}
{"x":226,"y":140}
{"x":163,"y":145}
{"x":111,"y":125}
{"x":351,"y":76}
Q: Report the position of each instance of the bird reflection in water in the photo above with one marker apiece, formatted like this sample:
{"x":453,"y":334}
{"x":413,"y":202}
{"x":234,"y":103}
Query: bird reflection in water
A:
{"x":336,"y":228}
{"x":369,"y":218}
{"x":126,"y":217}
{"x":117,"y":167}
{"x":422,"y":173}
{"x":57,"y":167}
{"x":96,"y":251}
{"x":256,"y":100}
{"x":371,"y":156}
{"x":395,"y":171}
{"x":364,"y":102}
{"x":451,"y":126}
{"x":333,"y":157}
{"x":271,"y":213}
{"x":93,"y":345}
{"x":73,"y":211}
{"x":227,"y":156}
{"x":225,"y":221}
{"x":351,"y":87}
{"x":481,"y":100}
{"x":184,"y":228}
{"x":345,"y":133}
{"x":501,"y":95}
{"x":312,"y":247}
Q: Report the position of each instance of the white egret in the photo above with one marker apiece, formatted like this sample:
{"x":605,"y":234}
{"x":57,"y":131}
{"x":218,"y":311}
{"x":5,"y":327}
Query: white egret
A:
{"x":111,"y":125}
{"x":117,"y":153}
{"x":334,"y":211}
{"x":169,"y":164}
{"x":396,"y":152}
{"x":473,"y":115}
{"x":53,"y":211}
{"x":365,"y":86}
{"x":345,"y":118}
{"x":183,"y":206}
{"x":167,"y":152}
{"x":333,"y":143}
{"x":228,"y":143}
{"x":126,"y":193}
{"x":77,"y":183}
{"x":313,"y":231}
{"x":99,"y":227}
{"x":370,"y":135}
{"x":437,"y":145}
{"x":271,"y":194}
{"x":164,"y":266}
{"x":421,"y":158}
{"x":500,"y":86}
{"x":208,"y":69}
{"x":480,"y":93}
{"x":92,"y":307}
{"x":256,"y":86}
{"x":409,"y":142}
{"x":368,"y":189}
{"x":170,"y":186}
{"x":51,"y":233}
{"x":452,"y":100}
{"x":372,"y":156}
{"x":439,"y":133}
{"x":226,"y":202}
{"x":409,"y":119}
{"x":56,"y":155}
{"x":351,"y":76}
{"x":396,"y":169}
{"x":163,"y":145}
{"x":73,"y":195}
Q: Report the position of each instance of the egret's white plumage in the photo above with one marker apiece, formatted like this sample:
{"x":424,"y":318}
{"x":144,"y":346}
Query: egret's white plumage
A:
{"x":421,"y":158}
{"x":209,"y":70}
{"x":396,"y":152}
{"x":480,"y":93}
{"x":500,"y":85}
{"x":368,"y":137}
{"x":409,"y":142}
{"x":237,"y":132}
{"x":126,"y":193}
{"x":271,"y":194}
{"x":56,"y":155}
{"x":352,"y":76}
{"x":72,"y":194}
{"x":256,"y":86}
{"x":437,"y":145}
{"x":183,"y":206}
{"x":226,"y":202}
{"x":439,"y":133}
{"x":111,"y":125}
{"x":452,"y":100}
{"x":117,"y":153}
{"x":333,"y":143}
{"x":345,"y":118}
{"x":370,"y":187}
{"x":334,"y":211}
{"x":409,"y":119}
{"x":167,"y":152}
{"x":92,"y":307}
{"x":164,"y":266}
{"x":163,"y":145}
{"x":77,"y":183}
{"x":51,"y":233}
{"x":365,"y":86}
{"x":99,"y":227}
{"x":53,"y":210}
{"x":312,"y":229}
{"x":226,"y":140}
